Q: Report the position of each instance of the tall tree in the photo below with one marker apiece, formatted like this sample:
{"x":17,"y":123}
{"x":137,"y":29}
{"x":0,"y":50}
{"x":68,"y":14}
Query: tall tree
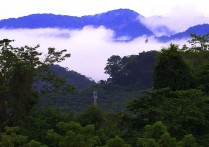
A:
{"x":197,"y":55}
{"x":184,"y":112}
{"x":133,"y":71}
{"x":198,"y":43}
{"x":171,"y":70}
{"x":113,"y":67}
{"x":20,"y":68}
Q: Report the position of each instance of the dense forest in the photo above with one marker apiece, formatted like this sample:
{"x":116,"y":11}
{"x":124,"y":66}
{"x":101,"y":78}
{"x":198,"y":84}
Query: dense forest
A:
{"x":153,"y":99}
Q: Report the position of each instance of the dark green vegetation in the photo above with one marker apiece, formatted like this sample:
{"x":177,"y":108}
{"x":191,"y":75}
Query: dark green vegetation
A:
{"x":132,"y":71}
{"x":72,"y":77}
{"x":128,"y":75}
{"x":173,"y":111}
{"x":135,"y":74}
{"x":172,"y":71}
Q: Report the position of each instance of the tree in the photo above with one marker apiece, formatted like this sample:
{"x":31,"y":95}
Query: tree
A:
{"x":113,"y":67}
{"x":198,"y":43}
{"x":73,"y":134}
{"x":197,"y":55}
{"x":157,"y":135}
{"x":36,"y":124}
{"x":116,"y":142}
{"x":92,"y":115}
{"x":171,"y":70}
{"x":134,"y":71}
{"x":20,"y":69}
{"x":184,"y":112}
{"x":12,"y":137}
{"x":203,"y":78}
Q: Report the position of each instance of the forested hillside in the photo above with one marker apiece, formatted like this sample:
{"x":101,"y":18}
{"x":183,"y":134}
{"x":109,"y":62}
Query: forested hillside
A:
{"x":72,"y":77}
{"x":129,"y":75}
{"x":133,"y":71}
{"x":172,"y":112}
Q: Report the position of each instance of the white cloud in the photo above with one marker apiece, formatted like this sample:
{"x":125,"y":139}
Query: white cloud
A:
{"x":178,"y":20}
{"x":90,"y":47}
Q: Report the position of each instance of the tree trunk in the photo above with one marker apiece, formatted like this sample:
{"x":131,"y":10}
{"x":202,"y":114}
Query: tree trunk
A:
{"x":2,"y":110}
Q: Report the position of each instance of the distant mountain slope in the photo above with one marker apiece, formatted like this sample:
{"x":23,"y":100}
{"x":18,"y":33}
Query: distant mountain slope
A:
{"x":72,"y":77}
{"x":198,"y":29}
{"x":123,"y":21}
{"x":112,"y":97}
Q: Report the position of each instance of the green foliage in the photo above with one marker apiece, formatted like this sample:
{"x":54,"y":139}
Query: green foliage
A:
{"x":34,"y":143}
{"x":37,"y":123}
{"x":73,"y":134}
{"x":157,"y":135}
{"x":198,"y":43}
{"x":11,"y":133}
{"x":197,"y":56}
{"x":53,"y":138}
{"x":146,"y":142}
{"x":12,"y":137}
{"x":113,"y":66}
{"x":64,"y":127}
{"x":160,"y":134}
{"x":112,"y":96}
{"x":110,"y":127}
{"x":72,"y":77}
{"x":116,"y":142}
{"x":196,"y":60}
{"x":172,"y":71}
{"x":132,"y":71}
{"x":156,"y":130}
{"x":188,"y":140}
{"x":184,"y":111}
{"x":72,"y":139}
{"x":173,"y":79}
{"x":92,"y":115}
{"x":202,"y":78}
{"x":20,"y":69}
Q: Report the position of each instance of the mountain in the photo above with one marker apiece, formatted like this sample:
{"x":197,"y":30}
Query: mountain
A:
{"x":114,"y":94}
{"x":124,"y":22}
{"x":198,"y":30}
{"x":72,"y":77}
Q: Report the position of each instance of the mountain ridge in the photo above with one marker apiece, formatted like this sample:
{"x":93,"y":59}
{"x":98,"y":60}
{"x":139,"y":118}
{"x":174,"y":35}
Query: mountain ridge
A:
{"x":198,"y":29}
{"x":124,"y":22}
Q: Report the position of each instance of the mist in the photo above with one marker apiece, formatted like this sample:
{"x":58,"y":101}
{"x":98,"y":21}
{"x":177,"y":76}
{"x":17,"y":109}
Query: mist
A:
{"x":178,"y":20}
{"x":89,"y":48}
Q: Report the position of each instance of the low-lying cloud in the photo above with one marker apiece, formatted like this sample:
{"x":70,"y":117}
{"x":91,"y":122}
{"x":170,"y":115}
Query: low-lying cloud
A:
{"x":90,"y":47}
{"x":178,"y":20}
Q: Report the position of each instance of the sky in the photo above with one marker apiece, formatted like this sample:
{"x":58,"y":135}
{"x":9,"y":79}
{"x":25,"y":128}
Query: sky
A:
{"x":16,"y":8}
{"x":89,"y":54}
